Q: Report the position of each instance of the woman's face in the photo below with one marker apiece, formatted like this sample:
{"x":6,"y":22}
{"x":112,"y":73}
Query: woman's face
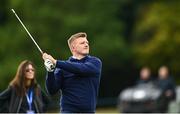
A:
{"x":29,"y":72}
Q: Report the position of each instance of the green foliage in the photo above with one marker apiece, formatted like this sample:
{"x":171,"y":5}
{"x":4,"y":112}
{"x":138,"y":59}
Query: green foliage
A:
{"x":156,"y":40}
{"x":51,"y":22}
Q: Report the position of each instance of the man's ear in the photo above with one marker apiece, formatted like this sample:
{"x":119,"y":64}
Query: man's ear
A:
{"x":72,"y":47}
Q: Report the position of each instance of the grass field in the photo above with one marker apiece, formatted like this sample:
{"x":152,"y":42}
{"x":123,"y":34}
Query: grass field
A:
{"x":98,"y":110}
{"x":107,"y":110}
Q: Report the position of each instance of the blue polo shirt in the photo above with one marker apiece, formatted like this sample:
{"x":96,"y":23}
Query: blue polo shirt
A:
{"x":78,"y":81}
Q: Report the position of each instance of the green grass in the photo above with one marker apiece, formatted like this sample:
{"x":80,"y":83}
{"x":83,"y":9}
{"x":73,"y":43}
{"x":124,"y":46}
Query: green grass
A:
{"x":107,"y":110}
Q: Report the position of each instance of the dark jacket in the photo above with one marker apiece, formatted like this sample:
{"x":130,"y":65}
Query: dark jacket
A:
{"x":11,"y":102}
{"x":167,"y":84}
{"x":141,"y":81}
{"x":79,"y":82}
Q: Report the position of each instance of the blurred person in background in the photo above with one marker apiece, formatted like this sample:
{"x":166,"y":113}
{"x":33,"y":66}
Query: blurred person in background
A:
{"x":166,"y":83}
{"x":24,"y":94}
{"x":145,"y":76}
{"x":78,"y":78}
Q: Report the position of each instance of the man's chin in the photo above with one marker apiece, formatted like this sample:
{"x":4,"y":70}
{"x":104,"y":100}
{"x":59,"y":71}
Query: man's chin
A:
{"x":85,"y":54}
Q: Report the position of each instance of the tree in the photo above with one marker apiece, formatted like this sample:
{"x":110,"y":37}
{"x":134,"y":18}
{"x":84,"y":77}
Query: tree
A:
{"x":156,"y":35}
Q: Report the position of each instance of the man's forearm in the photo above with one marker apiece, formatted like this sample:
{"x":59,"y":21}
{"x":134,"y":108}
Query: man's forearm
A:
{"x":51,"y":83}
{"x":87,"y":68}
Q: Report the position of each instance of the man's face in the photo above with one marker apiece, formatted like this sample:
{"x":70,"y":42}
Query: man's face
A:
{"x":80,"y":46}
{"x":145,"y":74}
{"x":163,"y":72}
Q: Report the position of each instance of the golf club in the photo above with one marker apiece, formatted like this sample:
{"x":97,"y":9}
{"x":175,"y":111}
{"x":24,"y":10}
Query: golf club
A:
{"x":27,"y":31}
{"x":48,"y":64}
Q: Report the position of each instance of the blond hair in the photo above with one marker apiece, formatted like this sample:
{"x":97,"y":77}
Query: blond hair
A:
{"x":76,"y":36}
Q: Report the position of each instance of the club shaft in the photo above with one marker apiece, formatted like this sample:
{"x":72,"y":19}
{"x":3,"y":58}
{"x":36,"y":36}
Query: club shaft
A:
{"x":27,"y":31}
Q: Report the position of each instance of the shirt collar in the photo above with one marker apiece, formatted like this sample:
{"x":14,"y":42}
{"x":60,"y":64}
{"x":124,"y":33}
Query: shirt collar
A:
{"x":73,"y":58}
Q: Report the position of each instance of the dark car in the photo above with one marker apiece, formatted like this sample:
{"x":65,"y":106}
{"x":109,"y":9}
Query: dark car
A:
{"x":140,"y":98}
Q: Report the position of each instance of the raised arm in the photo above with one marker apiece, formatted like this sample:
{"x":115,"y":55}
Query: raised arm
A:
{"x":53,"y":81}
{"x":91,"y":66}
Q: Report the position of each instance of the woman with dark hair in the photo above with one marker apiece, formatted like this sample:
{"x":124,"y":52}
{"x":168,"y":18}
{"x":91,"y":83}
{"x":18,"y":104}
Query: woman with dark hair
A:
{"x":23,"y":94}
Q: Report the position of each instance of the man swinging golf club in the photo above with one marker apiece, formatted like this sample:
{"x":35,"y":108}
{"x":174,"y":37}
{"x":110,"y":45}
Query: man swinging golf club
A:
{"x":77,"y":78}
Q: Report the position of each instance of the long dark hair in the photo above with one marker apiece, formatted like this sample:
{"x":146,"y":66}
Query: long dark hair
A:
{"x":19,"y":81}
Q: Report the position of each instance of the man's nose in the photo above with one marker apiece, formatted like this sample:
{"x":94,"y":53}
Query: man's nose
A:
{"x":86,"y":45}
